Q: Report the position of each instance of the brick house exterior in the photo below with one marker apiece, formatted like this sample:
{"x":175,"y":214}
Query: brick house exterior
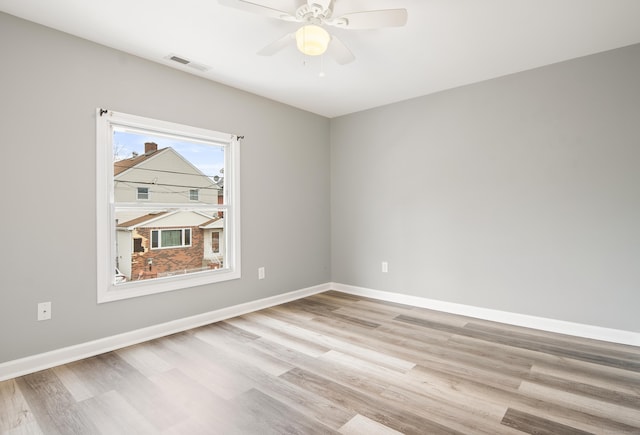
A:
{"x":152,"y":263}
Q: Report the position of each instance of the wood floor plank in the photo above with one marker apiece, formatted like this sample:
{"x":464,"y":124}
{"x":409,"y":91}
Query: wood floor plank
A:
{"x":389,"y":415}
{"x":338,"y":363}
{"x":204,"y":409}
{"x":353,"y":379}
{"x":303,"y":345}
{"x":536,"y":425}
{"x":623,"y":383}
{"x":263,"y":414}
{"x":572,"y":416}
{"x":577,"y":401}
{"x":200,"y":362}
{"x":144,"y":359}
{"x":536,"y":345}
{"x":561,"y":341}
{"x":584,"y":389}
{"x":332,"y":343}
{"x":15,"y":413}
{"x":227,"y":344}
{"x":54,"y":408}
{"x":76,"y":386}
{"x":361,"y":425}
{"x":102,"y":409}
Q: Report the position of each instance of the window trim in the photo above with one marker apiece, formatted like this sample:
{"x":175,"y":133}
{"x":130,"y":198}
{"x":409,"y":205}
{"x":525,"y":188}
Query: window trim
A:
{"x":106,"y":122}
{"x":182,"y":237}
{"x":138,"y":194}
{"x":194,"y":194}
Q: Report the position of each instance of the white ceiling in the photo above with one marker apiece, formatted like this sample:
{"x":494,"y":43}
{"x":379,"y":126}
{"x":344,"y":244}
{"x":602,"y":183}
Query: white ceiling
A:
{"x":445,"y":44}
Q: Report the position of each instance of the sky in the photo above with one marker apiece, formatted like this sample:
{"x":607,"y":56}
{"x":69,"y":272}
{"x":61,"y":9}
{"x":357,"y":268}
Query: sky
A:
{"x":209,"y":159}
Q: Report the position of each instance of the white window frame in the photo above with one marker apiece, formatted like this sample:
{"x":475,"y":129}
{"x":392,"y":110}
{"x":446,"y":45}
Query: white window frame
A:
{"x":107,"y":290}
{"x":194,"y":194}
{"x":138,"y":194}
{"x":182,"y":236}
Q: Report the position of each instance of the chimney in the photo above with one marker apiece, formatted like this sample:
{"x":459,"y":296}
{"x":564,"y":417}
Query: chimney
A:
{"x":150,"y":147}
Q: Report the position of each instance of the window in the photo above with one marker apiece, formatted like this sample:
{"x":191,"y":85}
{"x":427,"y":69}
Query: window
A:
{"x":170,"y":238}
{"x":137,"y":245}
{"x":215,"y":242}
{"x":143,"y":193}
{"x":193,"y":194}
{"x":168,"y":206}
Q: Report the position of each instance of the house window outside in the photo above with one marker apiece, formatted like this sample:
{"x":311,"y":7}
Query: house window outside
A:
{"x":143,"y":193}
{"x":215,"y":242}
{"x":161,"y":242}
{"x":137,"y":245}
{"x":170,"y":238}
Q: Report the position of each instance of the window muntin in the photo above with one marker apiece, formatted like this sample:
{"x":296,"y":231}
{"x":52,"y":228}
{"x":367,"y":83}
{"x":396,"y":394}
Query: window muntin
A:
{"x":134,"y":232}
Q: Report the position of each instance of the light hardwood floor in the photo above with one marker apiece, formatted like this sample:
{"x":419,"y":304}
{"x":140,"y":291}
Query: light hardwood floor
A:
{"x":336,"y":363}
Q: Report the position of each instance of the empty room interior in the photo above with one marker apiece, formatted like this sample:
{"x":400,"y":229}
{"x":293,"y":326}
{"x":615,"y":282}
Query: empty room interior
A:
{"x":301,"y":217}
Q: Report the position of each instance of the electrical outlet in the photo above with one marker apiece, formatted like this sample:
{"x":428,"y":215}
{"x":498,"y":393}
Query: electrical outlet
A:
{"x":385,"y":267}
{"x":44,"y":310}
{"x":261,"y":273}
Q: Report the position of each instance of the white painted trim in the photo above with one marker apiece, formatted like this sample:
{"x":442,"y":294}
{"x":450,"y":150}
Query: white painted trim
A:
{"x":34,"y":363}
{"x":527,"y":321}
{"x":31,"y":364}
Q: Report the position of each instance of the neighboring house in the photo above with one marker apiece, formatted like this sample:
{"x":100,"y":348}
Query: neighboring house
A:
{"x":162,"y":176}
{"x":168,"y":237}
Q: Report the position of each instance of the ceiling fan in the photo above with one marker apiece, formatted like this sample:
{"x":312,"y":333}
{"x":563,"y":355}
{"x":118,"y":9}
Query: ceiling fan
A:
{"x":311,"y":38}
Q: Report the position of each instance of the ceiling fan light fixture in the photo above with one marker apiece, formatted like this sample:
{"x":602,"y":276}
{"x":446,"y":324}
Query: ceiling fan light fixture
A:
{"x":312,"y":40}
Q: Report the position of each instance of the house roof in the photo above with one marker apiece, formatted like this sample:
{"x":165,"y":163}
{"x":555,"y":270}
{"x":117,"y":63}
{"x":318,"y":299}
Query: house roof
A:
{"x":120,"y":166}
{"x":142,"y":219}
{"x":208,"y":222}
{"x":217,"y":222}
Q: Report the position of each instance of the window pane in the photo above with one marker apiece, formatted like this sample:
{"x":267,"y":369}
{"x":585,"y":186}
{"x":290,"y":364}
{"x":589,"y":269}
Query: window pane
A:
{"x":143,"y":193}
{"x":215,"y":242}
{"x":153,"y":256}
{"x":137,"y":245}
{"x":154,"y":239}
{"x":179,"y":175}
{"x":170,"y":238}
{"x":166,"y":170}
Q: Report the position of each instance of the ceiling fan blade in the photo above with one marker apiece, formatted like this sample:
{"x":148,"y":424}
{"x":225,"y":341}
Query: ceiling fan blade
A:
{"x":339,"y":52}
{"x":371,"y":19}
{"x":258,"y":9}
{"x":277,"y":45}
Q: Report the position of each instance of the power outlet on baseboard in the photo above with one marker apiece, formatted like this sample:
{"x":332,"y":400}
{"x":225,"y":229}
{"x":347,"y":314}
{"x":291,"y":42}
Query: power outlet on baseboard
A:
{"x":261,"y":273}
{"x":385,"y":267}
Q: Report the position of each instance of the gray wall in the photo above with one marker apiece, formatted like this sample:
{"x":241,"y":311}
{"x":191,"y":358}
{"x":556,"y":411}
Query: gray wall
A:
{"x":519,"y":194}
{"x":50,"y":85}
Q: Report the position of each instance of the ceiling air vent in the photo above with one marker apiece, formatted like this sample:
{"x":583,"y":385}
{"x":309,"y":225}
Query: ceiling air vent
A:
{"x":187,"y":62}
{"x":180,"y":60}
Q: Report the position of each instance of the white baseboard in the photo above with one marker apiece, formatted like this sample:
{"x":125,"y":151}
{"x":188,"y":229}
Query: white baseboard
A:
{"x":541,"y":323}
{"x":34,"y":363}
{"x":31,"y":364}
